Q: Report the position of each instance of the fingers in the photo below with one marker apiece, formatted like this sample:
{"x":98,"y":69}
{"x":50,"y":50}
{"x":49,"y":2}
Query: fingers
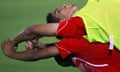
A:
{"x":35,"y":41}
{"x":29,"y":45}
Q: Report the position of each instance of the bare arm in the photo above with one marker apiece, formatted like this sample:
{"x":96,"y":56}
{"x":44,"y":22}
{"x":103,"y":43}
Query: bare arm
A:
{"x":29,"y":55}
{"x":36,"y":31}
{"x":35,"y":44}
{"x":31,"y":33}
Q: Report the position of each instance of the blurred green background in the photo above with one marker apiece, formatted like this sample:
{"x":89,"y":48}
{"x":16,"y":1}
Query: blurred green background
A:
{"x":16,"y":15}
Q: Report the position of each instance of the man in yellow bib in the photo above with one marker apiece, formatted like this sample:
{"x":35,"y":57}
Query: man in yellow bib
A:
{"x":98,"y":27}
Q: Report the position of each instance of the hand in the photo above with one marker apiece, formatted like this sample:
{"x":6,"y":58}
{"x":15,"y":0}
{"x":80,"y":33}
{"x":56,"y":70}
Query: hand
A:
{"x":30,"y":45}
{"x":34,"y":44}
{"x":8,"y":47}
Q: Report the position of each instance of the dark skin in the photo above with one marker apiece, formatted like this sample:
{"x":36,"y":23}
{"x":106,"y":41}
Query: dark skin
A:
{"x":35,"y":44}
{"x":34,"y":32}
{"x":31,"y":55}
{"x":9,"y":48}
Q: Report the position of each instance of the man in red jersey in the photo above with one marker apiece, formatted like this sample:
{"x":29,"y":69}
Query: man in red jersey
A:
{"x":89,"y":57}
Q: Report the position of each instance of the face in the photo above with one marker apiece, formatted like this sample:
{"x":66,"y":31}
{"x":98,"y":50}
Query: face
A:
{"x":65,"y":12}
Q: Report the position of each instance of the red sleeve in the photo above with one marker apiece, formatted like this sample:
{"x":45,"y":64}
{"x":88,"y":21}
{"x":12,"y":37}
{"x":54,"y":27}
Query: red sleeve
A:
{"x":73,"y":27}
{"x":69,"y":46}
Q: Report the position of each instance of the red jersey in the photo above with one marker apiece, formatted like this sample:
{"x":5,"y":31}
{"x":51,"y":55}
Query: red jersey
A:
{"x":90,"y":57}
{"x":73,"y":28}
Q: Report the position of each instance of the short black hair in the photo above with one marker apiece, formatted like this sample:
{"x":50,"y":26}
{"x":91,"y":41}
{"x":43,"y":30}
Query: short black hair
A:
{"x":51,"y":19}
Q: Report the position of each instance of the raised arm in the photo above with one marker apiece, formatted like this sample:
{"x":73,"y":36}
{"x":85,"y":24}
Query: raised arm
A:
{"x":36,"y":31}
{"x":30,"y":33}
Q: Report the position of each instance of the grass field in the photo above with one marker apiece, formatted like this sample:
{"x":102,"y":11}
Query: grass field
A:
{"x":18,"y":14}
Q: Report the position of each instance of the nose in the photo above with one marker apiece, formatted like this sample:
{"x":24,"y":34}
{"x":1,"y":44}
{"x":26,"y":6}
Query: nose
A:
{"x":64,"y":6}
